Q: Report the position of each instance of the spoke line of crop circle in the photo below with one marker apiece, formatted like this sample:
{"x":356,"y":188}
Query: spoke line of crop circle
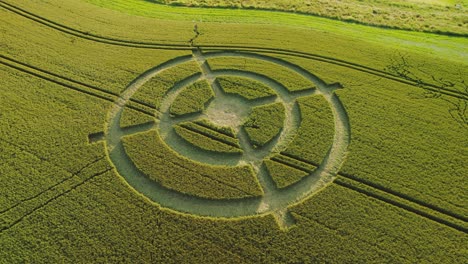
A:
{"x":207,"y":73}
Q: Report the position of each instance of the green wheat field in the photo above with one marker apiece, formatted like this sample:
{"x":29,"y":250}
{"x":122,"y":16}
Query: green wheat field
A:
{"x":144,"y":131}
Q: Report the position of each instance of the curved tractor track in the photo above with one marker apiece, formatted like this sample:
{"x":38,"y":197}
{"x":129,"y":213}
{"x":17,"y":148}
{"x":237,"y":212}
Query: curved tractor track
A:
{"x":109,"y":96}
{"x":154,"y":45}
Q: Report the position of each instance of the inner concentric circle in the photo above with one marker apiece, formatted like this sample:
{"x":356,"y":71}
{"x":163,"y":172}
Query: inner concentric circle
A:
{"x":231,"y":111}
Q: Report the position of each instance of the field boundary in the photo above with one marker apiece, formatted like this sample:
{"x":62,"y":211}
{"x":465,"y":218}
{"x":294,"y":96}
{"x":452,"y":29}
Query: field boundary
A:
{"x":154,"y":45}
{"x":305,"y":13}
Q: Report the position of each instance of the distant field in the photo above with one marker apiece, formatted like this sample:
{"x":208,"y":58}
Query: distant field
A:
{"x":439,"y":2}
{"x":443,"y":16}
{"x":146,"y":133}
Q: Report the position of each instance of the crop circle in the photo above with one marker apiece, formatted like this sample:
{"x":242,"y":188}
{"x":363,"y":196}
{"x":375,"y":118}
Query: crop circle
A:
{"x":274,"y":201}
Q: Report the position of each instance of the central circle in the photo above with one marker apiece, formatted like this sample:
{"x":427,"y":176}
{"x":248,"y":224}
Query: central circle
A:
{"x":228,"y":111}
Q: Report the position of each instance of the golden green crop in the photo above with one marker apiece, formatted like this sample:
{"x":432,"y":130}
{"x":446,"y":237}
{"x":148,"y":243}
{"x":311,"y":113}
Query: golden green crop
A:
{"x":399,"y":196}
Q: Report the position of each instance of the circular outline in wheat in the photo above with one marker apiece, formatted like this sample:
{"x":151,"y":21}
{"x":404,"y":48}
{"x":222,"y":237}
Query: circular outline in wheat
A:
{"x":274,"y":201}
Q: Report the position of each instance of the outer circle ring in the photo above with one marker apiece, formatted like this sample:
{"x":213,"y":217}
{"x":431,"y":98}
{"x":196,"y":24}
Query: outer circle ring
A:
{"x":279,"y":201}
